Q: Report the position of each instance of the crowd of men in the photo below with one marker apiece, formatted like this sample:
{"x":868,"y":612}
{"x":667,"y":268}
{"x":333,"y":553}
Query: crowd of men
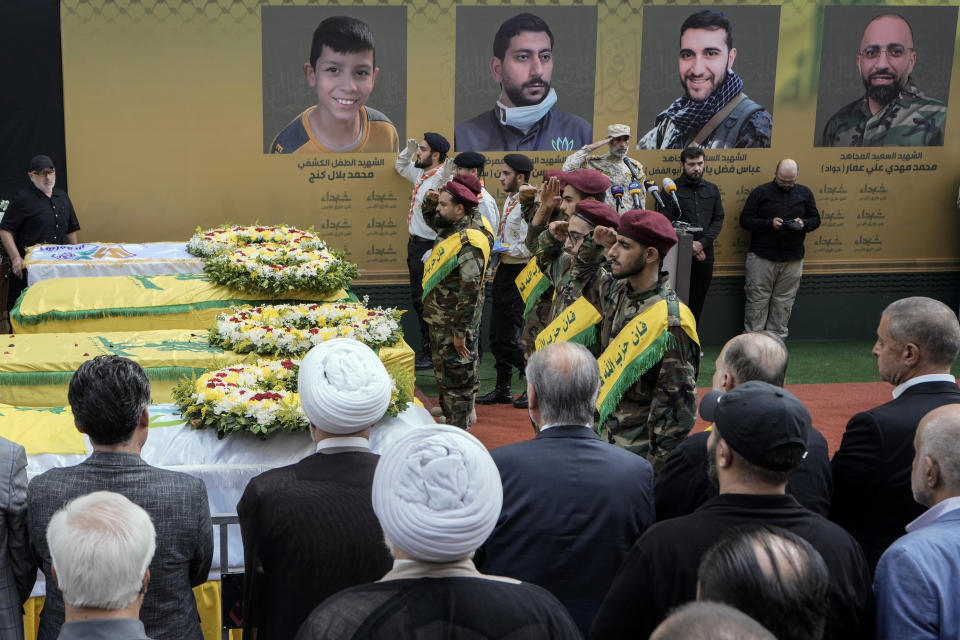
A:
{"x":747,"y":530}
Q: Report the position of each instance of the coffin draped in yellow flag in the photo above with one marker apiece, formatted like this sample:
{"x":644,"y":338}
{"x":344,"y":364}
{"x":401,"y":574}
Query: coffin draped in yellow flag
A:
{"x":531,"y":283}
{"x":638,"y":347}
{"x":577,"y":323}
{"x":443,"y":259}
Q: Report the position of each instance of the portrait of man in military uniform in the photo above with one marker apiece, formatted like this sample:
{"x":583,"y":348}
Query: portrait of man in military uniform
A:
{"x":901,"y":82}
{"x":525,"y":80}
{"x":725,"y":63}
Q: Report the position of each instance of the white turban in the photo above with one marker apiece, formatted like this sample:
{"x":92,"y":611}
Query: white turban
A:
{"x":437,"y":493}
{"x":343,"y":386}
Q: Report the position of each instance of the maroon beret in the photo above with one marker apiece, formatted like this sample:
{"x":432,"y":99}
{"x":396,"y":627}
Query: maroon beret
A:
{"x":462,"y":193}
{"x":649,"y":228}
{"x":588,"y":181}
{"x":559,"y":174}
{"x":470,"y":181}
{"x":597,"y":213}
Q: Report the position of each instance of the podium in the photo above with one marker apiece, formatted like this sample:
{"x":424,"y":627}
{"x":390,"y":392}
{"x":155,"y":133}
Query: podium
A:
{"x":678,"y":260}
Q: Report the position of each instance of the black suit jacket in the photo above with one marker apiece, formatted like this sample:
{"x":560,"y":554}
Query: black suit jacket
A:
{"x":682,"y":484}
{"x":872,"y":498}
{"x":572,"y":507}
{"x":308,"y":531}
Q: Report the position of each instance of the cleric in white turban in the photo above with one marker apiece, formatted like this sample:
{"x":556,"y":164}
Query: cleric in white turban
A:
{"x":437,"y":495}
{"x":309,"y":529}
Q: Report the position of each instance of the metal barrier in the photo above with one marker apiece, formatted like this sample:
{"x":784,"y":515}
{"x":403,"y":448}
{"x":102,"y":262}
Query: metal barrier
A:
{"x":231,"y":582}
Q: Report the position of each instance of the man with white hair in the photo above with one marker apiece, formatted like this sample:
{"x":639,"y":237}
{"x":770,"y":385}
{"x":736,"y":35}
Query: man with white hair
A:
{"x":437,"y":495}
{"x":556,"y":497}
{"x":918,"y":340}
{"x":102,"y":545}
{"x":918,"y":578}
{"x":309,"y":529}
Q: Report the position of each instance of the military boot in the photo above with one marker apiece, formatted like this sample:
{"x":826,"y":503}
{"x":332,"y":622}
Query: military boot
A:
{"x":501,"y":394}
{"x":521,"y":401}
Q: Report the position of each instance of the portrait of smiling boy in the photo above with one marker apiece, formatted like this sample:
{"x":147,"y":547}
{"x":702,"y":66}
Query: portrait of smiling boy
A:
{"x":342,"y":69}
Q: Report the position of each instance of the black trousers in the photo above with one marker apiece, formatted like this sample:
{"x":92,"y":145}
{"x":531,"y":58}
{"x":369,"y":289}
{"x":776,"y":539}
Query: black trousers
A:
{"x":701,"y":273}
{"x":506,"y":321}
{"x":416,"y":247}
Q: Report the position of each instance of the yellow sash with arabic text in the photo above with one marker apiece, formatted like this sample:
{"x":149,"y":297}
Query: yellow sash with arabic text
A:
{"x":443,"y":259}
{"x":531,"y":283}
{"x":639,"y":345}
{"x":577,"y":323}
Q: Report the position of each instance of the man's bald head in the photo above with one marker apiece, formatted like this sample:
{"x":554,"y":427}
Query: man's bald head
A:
{"x":759,"y":355}
{"x":710,"y":621}
{"x":936,"y":463}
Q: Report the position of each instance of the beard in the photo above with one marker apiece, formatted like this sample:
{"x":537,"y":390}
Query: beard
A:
{"x":619,"y":153}
{"x":884,"y":93}
{"x":629,"y":272}
{"x":516,"y":93}
{"x":442,"y":222}
{"x":422,"y":164}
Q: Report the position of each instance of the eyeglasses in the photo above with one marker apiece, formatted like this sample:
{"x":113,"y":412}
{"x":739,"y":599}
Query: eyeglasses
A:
{"x":45,"y":172}
{"x":893,"y":51}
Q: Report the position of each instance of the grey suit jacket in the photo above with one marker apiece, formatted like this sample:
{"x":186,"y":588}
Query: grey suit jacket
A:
{"x":177,"y":504}
{"x":17,"y":569}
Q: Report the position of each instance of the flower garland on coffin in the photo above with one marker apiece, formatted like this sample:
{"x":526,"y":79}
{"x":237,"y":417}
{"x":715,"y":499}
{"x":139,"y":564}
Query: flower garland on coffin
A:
{"x":260,"y":398}
{"x":291,"y":330}
{"x":272,"y":260}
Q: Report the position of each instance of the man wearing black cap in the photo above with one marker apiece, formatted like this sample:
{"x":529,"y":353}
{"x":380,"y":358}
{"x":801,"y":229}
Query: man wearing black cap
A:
{"x":650,"y":349}
{"x":421,"y":164}
{"x":759,"y":438}
{"x":39,"y":214}
{"x":510,"y":234}
{"x":472,"y":163}
{"x":453,"y":296}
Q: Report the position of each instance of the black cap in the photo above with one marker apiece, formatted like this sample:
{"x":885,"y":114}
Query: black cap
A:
{"x":41,"y":162}
{"x":470,"y":160}
{"x":437,"y":142}
{"x":757,"y":418}
{"x":519,"y":163}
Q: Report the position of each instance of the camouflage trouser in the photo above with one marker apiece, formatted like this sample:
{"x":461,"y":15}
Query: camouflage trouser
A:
{"x":534,"y":323}
{"x":457,"y":378}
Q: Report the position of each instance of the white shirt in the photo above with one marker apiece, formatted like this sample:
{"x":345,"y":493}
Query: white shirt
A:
{"x":512,"y":231}
{"x":551,"y":426}
{"x":489,"y":210}
{"x":340,"y":442}
{"x":422,"y":182}
{"x":934,"y":512}
{"x":930,"y":377}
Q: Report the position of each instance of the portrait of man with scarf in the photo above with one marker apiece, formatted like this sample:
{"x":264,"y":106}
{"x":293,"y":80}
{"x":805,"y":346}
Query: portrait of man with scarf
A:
{"x":713,"y":111}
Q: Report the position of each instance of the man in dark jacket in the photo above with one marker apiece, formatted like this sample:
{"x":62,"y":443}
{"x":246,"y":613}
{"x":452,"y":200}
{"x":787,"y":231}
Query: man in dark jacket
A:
{"x":759,"y":439}
{"x":700,"y":206}
{"x":917,"y":341}
{"x":779,"y":215}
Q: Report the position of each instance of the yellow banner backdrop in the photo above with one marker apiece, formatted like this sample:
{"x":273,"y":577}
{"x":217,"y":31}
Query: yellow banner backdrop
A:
{"x":172,"y":106}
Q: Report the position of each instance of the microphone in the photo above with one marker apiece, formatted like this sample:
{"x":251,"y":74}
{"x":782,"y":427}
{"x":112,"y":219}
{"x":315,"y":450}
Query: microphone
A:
{"x":654,"y":190}
{"x":633,"y":171}
{"x":670,"y":188}
{"x":617,"y":192}
{"x":635,"y":189}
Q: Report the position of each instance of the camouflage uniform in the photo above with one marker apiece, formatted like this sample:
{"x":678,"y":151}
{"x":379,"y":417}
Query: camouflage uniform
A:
{"x":612,"y":167}
{"x":657,"y":412}
{"x":912,"y":120}
{"x":571,"y":278}
{"x":539,"y":317}
{"x":453,"y":309}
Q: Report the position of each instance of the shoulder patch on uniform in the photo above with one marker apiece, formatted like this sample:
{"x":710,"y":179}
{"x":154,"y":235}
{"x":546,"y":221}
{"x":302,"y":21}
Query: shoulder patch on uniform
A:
{"x":291,"y":138}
